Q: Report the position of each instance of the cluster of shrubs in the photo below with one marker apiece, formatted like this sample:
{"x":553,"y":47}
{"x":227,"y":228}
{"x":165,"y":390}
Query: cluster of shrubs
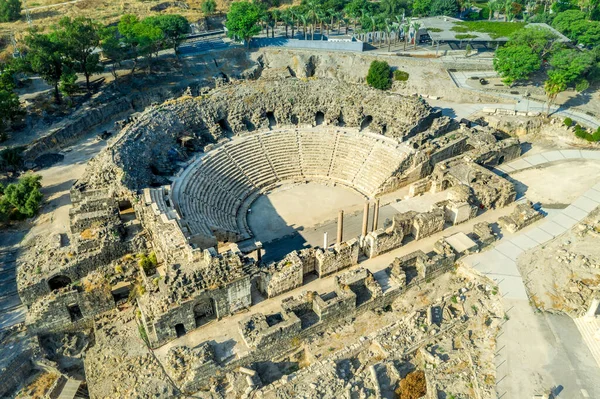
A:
{"x":20,"y":200}
{"x":581,"y":132}
{"x":380,"y":75}
{"x":400,"y":76}
{"x":148,"y":263}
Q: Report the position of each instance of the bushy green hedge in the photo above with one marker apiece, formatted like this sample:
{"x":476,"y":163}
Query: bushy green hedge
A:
{"x":21,"y":200}
{"x":380,"y":75}
{"x":583,"y":134}
{"x":401,"y":76}
{"x":568,"y":122}
{"x":463,"y":36}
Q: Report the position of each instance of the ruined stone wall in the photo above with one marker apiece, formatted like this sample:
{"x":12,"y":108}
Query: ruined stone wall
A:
{"x":282,"y":276}
{"x":341,"y":306}
{"x":78,"y":268}
{"x":340,"y":257}
{"x":449,"y":150}
{"x":334,"y":318}
{"x":257,"y":333}
{"x":428,"y":223}
{"x":380,"y":241}
{"x":147,"y":150}
{"x":225,"y":300}
{"x":167,"y":237}
{"x":51,"y":313}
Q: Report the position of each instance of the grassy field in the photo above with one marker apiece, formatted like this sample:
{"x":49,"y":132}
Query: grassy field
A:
{"x":44,"y":13}
{"x":494,"y":29}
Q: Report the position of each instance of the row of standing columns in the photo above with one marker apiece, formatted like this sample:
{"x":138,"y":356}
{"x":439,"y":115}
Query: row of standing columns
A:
{"x":365,"y":223}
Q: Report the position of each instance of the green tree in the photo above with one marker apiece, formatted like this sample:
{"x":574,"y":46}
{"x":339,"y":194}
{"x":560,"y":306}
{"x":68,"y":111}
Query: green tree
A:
{"x":10,"y":10}
{"x":112,"y":48}
{"x":174,"y":28}
{"x":565,"y":20}
{"x":68,"y":83}
{"x":139,"y":39}
{"x":443,"y":7}
{"x":208,"y":7}
{"x":10,"y":106}
{"x":568,"y":66}
{"x":514,"y":63}
{"x":242,"y":21}
{"x":81,"y":38}
{"x":46,"y":57}
{"x":540,"y":40}
{"x":23,"y":197}
{"x":421,"y":7}
{"x":379,"y":75}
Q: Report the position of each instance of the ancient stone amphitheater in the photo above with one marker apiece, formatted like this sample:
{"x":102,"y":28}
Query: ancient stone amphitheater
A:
{"x":249,"y":138}
{"x":213,"y":194}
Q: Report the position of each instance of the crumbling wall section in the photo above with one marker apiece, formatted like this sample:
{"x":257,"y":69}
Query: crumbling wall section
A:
{"x":337,"y":258}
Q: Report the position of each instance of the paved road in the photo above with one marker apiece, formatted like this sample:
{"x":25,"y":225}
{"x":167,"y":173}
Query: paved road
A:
{"x":12,"y":310}
{"x":460,"y":78}
{"x":539,"y":351}
{"x":199,"y":46}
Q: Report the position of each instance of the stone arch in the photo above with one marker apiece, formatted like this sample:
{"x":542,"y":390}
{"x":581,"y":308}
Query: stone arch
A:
{"x":204,"y":311}
{"x":180,"y":330}
{"x":319,"y":118}
{"x":58,"y":282}
{"x":366,"y":122}
{"x":272,"y":119}
{"x":224,"y":125}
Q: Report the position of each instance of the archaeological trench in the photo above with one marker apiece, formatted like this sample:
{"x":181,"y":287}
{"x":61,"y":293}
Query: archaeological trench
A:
{"x":160,"y":259}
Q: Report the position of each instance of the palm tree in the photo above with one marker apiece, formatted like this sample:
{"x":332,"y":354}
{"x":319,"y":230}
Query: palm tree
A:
{"x":372,"y":18}
{"x":287,"y":20}
{"x":321,"y":17}
{"x":491,"y":6}
{"x":388,"y":32}
{"x":275,"y":16}
{"x":312,"y":7}
{"x":507,"y":9}
{"x":416,"y":26}
{"x":265,"y":18}
{"x":293,"y":17}
{"x":304,"y":20}
{"x":467,"y":4}
{"x":399,"y":20}
{"x":406,"y":28}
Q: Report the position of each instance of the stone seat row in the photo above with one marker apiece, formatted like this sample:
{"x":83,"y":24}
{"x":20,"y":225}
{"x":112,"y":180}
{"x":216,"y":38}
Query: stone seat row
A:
{"x":219,"y":182}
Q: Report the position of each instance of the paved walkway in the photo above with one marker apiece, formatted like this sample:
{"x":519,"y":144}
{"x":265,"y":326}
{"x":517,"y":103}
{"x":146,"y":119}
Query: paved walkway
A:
{"x":460,"y":79}
{"x":589,"y":327}
{"x":537,"y":352}
{"x":500,"y":262}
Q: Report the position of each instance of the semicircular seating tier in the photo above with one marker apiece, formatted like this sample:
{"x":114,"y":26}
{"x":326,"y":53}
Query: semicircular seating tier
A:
{"x":212,"y":194}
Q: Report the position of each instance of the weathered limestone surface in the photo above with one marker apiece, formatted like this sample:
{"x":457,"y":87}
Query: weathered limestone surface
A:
{"x":337,"y":258}
{"x":148,"y":149}
{"x":522,"y":216}
{"x":282,"y":276}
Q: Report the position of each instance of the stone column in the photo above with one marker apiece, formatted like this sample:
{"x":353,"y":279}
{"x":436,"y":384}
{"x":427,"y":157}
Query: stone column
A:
{"x":593,"y":309}
{"x":365,"y":225}
{"x":340,"y":226}
{"x":258,"y":251}
{"x":325,"y":240}
{"x":375,"y":214}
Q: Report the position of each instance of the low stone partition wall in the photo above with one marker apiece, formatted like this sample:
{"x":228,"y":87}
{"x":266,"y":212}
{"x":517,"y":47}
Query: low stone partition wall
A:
{"x":327,"y":45}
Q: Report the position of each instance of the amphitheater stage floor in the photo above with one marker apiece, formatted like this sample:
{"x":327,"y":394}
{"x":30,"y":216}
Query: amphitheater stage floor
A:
{"x":296,"y":217}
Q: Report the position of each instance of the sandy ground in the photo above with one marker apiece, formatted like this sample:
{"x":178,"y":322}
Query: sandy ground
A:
{"x":557,"y":184}
{"x":295,"y":207}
